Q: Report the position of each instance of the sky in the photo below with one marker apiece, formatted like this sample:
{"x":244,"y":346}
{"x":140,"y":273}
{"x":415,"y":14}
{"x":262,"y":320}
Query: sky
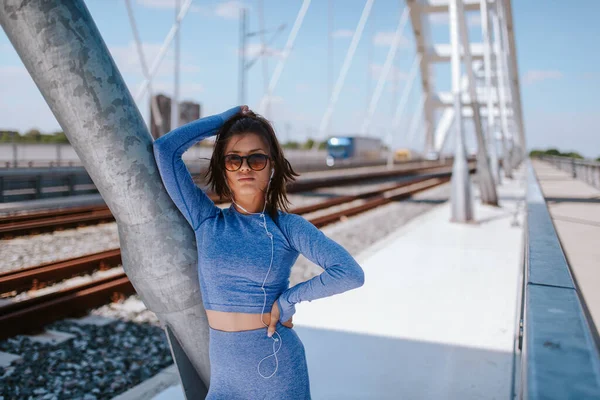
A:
{"x":559,"y":69}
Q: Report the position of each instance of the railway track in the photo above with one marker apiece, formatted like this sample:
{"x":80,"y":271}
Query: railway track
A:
{"x":33,"y":313}
{"x":33,"y":226}
{"x":54,"y":220}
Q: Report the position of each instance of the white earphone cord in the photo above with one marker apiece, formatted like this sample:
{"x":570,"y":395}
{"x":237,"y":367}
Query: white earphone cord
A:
{"x":270,"y":235}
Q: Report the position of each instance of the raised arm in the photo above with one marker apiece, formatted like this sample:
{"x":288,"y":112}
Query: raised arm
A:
{"x":342,"y":272}
{"x":193,"y":203}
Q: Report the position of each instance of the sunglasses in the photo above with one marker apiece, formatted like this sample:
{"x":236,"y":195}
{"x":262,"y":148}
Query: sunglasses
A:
{"x":256,"y":162}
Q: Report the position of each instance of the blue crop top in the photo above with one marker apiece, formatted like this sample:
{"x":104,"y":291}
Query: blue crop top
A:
{"x":234,"y":251}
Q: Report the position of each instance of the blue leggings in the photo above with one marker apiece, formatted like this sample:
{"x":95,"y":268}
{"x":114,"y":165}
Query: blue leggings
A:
{"x":234,"y":359}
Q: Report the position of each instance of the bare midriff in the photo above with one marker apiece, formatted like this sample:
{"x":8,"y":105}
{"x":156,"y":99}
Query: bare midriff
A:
{"x":236,"y":321}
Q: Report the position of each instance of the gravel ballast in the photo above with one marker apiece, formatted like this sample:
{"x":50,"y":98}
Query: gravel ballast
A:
{"x":99,"y":363}
{"x":28,"y":251}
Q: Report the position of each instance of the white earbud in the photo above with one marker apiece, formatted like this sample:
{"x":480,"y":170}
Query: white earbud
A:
{"x":272,"y":173}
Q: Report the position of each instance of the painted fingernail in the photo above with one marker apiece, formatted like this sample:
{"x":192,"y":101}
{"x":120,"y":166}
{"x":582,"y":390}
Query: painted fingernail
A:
{"x":269,"y":334}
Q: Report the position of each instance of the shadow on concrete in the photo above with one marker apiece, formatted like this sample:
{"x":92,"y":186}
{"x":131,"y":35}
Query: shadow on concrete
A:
{"x":554,"y":178}
{"x":502,"y":198}
{"x":504,"y":215}
{"x":591,"y":200}
{"x":576,"y":220}
{"x":347,"y":365}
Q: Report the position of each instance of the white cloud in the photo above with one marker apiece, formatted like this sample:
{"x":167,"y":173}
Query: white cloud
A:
{"x":298,"y":116}
{"x":589,"y":76}
{"x":343,"y":33}
{"x":157,"y":3}
{"x":386,"y":38}
{"x":128,"y":62}
{"x":533,"y":76}
{"x":276,"y":100}
{"x":303,"y":88}
{"x":22,"y":106}
{"x":353,"y":88}
{"x":170,"y":4}
{"x":254,"y":50}
{"x":395,"y":74}
{"x":11,"y":71}
{"x":187,"y":90}
{"x":229,"y":9}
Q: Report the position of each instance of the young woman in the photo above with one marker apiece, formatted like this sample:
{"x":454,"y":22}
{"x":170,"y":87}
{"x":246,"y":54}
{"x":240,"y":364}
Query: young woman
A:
{"x":246,"y":252}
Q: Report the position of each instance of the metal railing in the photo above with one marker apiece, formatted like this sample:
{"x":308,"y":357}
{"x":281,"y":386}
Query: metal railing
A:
{"x":21,"y":184}
{"x":585,"y":170}
{"x":557,"y":347}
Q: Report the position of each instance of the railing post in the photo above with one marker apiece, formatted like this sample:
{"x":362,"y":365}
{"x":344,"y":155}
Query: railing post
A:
{"x":38,"y":186}
{"x":71,"y":178}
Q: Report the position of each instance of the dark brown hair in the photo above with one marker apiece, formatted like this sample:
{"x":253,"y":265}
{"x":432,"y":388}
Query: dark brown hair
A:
{"x":284,"y":173}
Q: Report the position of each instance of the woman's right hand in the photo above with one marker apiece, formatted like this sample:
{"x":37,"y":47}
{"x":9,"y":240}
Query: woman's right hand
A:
{"x":244,"y":109}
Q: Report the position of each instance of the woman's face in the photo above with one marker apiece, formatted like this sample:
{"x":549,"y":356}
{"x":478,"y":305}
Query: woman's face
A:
{"x":247,"y":181}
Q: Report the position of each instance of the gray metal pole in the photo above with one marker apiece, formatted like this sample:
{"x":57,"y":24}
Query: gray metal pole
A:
{"x":175,"y":98}
{"x":325,"y":121}
{"x":155,"y":110}
{"x":387,"y":66}
{"x":242,"y":89}
{"x":520,"y":152}
{"x":265,"y":102}
{"x":369,"y":62}
{"x":264,"y":56}
{"x":487,"y":56}
{"x":514,"y":148}
{"x":163,"y":50}
{"x":79,"y":80}
{"x":400,"y":109}
{"x":502,"y":100}
{"x":487,"y":187}
{"x":14,"y":150}
{"x":58,"y":154}
{"x":461,"y":196}
{"x":329,"y":50}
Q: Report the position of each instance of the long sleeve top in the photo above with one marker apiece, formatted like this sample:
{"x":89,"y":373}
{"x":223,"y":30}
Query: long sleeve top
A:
{"x":234,"y":250}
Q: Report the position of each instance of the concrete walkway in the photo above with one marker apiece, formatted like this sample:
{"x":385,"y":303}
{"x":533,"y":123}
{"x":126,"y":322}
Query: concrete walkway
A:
{"x":436,"y":316}
{"x":575,"y":209}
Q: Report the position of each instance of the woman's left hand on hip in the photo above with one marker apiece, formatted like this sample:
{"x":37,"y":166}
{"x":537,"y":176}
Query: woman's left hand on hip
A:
{"x":275,"y":313}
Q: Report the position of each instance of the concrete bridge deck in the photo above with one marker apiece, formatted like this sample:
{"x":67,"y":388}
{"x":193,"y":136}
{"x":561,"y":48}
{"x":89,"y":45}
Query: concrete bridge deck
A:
{"x":436,"y":317}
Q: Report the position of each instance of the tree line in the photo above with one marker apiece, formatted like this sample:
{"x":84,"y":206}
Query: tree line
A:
{"x":32,"y":136}
{"x":307,"y":145}
{"x":557,"y":153}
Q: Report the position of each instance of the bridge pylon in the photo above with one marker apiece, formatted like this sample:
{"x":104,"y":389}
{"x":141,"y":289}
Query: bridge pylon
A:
{"x":487,"y":87}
